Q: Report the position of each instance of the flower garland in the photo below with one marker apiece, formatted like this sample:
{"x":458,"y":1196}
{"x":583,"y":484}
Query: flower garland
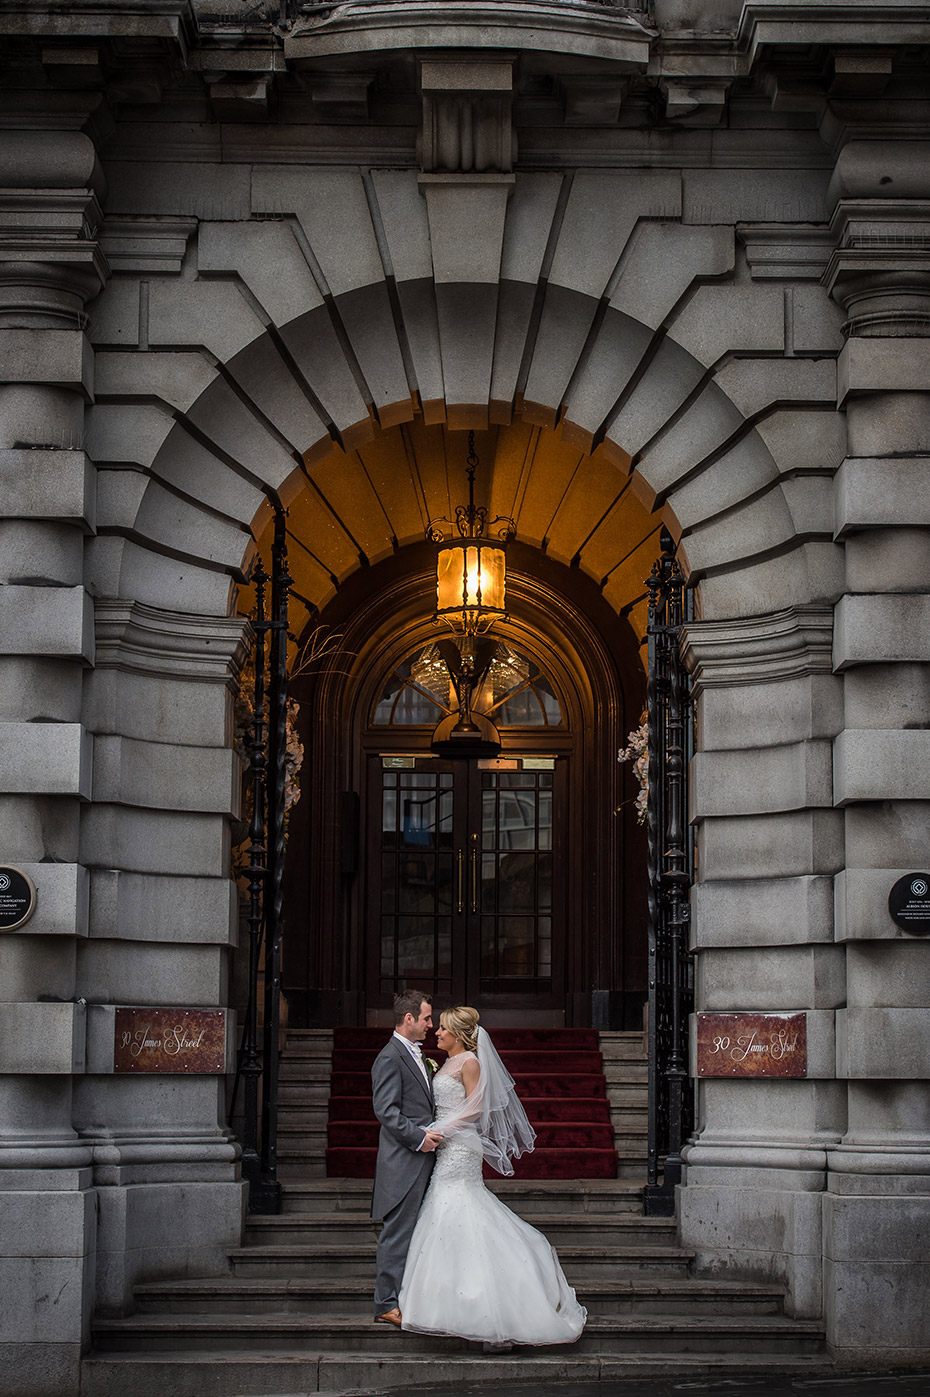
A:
{"x":243,"y":718}
{"x":637,"y":752}
{"x":293,"y":757}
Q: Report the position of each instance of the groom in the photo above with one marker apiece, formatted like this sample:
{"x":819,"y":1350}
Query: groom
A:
{"x":402,"y":1096}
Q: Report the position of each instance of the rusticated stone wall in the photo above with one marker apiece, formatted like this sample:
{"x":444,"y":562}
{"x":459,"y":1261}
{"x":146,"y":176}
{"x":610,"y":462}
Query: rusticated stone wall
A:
{"x":197,"y":301}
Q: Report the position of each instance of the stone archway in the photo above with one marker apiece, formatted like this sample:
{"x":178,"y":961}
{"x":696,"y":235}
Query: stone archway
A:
{"x":630,"y":332}
{"x":591,"y":308}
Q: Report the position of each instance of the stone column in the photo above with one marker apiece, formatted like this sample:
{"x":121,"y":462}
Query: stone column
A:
{"x":769,"y":844}
{"x":163,"y":917}
{"x":877,"y":1207}
{"x":50,"y":264}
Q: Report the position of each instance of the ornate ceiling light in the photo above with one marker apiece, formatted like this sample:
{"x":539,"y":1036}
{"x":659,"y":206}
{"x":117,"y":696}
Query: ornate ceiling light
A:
{"x":471,"y":569}
{"x":471,"y":584}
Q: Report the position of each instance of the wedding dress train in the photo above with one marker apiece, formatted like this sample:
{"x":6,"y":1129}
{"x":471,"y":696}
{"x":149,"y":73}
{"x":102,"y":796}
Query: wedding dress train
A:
{"x":475,"y":1269}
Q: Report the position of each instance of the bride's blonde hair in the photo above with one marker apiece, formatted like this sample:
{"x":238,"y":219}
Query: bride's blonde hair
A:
{"x":462,"y":1023}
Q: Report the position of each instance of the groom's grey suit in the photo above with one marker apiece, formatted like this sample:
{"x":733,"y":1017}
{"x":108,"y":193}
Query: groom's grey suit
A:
{"x":403,"y":1102}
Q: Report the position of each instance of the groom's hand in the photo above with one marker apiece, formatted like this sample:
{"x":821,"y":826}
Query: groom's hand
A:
{"x":431,"y":1139}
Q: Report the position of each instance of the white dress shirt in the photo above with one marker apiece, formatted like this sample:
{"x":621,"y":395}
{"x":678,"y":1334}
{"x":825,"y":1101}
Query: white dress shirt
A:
{"x":416,"y":1052}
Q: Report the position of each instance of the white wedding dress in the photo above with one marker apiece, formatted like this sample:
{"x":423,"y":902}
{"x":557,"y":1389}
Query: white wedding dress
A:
{"x":475,"y":1269}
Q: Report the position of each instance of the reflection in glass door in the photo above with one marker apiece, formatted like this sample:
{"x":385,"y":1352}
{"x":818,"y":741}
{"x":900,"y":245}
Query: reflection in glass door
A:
{"x":463,"y":888}
{"x":516,"y":881}
{"x":416,"y":878}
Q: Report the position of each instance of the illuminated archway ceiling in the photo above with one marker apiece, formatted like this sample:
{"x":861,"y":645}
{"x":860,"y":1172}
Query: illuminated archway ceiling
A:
{"x":359,"y":507}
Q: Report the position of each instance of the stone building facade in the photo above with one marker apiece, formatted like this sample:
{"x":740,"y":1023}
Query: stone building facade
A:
{"x":670,"y":264}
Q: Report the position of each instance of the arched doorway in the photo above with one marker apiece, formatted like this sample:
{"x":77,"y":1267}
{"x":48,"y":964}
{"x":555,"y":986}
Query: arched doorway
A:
{"x":405,"y":862}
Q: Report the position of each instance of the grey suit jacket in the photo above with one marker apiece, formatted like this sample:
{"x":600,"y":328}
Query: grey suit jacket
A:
{"x":403,"y":1103}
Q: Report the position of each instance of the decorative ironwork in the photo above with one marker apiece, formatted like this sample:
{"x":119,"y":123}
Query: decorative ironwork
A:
{"x":281,"y":583}
{"x":670,"y":873}
{"x":267,"y":778}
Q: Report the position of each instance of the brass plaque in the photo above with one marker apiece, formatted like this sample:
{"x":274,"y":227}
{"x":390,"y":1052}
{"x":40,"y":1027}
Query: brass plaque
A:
{"x":752,"y":1045}
{"x":170,"y":1040}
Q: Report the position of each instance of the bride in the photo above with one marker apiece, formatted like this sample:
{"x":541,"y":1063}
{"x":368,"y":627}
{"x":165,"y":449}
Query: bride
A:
{"x":475,"y":1269}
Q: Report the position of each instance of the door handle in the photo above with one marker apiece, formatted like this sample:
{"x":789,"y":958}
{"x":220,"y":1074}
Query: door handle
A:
{"x":474,"y":873}
{"x":460,"y":901}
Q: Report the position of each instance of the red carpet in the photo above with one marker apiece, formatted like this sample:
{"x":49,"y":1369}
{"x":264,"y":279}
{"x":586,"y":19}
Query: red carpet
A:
{"x":560,"y":1080}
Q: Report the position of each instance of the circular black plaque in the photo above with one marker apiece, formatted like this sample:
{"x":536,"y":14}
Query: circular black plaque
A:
{"x":909,"y":903}
{"x":17,"y":897}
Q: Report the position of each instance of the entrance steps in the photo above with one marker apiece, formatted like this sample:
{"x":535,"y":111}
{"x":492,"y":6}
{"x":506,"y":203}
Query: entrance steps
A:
{"x":305,"y":1128}
{"x":293,"y":1311}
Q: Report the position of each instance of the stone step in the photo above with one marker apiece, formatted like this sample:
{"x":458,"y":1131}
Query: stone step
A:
{"x":624,"y":1051}
{"x":628,"y":1120}
{"x":263,"y":1374}
{"x":301,"y":1169}
{"x":351,"y":1296}
{"x":603,"y":1334}
{"x":628,"y":1094}
{"x":304,"y":1093}
{"x":358,"y":1259}
{"x":292,"y":1118}
{"x":310,"y":1070}
{"x":574,"y":1229}
{"x":625,"y":1073}
{"x":529,"y":1197}
{"x":309,"y":1047}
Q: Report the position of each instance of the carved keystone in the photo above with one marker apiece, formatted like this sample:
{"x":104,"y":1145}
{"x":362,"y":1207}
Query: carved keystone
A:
{"x":467,"y":127}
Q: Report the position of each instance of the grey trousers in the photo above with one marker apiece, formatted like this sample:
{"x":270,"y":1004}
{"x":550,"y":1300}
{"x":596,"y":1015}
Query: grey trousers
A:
{"x":396,"y":1231}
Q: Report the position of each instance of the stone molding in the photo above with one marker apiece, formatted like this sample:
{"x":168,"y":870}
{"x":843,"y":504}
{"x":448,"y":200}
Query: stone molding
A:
{"x":904,"y":1159}
{"x":879,"y":270}
{"x":759,"y":649}
{"x":50,"y":261}
{"x":786,"y":251}
{"x":146,"y":244}
{"x":147,"y":640}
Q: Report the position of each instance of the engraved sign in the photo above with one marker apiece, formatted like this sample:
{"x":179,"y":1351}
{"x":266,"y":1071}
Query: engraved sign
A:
{"x":170,"y":1040}
{"x":752,"y":1045}
{"x":909,"y":903}
{"x":17,"y":897}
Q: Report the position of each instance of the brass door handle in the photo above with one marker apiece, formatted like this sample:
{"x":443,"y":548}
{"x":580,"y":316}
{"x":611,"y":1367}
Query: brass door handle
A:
{"x":460,"y":902}
{"x":474,"y":873}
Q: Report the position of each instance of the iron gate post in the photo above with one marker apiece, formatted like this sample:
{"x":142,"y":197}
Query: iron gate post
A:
{"x":670,"y":871}
{"x":249,"y":1065}
{"x":269,"y":1199}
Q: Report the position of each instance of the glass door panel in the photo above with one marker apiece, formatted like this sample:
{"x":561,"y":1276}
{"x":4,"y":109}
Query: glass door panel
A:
{"x":465,"y":880}
{"x":416,"y":878}
{"x":516,"y":881}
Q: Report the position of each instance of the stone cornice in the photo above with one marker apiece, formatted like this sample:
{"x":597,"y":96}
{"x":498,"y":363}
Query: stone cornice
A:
{"x":95,"y":19}
{"x":147,"y":640}
{"x":759,"y":649}
{"x":786,"y":250}
{"x":146,"y":244}
{"x":546,"y":25}
{"x":800,"y":24}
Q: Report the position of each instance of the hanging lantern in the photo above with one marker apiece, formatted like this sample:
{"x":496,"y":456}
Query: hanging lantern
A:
{"x":471,"y":569}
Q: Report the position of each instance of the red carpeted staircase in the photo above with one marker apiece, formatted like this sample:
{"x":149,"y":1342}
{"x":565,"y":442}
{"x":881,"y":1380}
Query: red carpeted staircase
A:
{"x":560,"y":1080}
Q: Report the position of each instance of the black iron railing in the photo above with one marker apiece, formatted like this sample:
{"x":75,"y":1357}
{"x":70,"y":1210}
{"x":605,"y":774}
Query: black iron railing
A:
{"x":257,"y":1066}
{"x":670,"y":873}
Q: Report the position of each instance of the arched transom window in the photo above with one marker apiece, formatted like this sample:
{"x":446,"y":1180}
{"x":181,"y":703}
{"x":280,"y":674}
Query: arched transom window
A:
{"x":512,"y":690}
